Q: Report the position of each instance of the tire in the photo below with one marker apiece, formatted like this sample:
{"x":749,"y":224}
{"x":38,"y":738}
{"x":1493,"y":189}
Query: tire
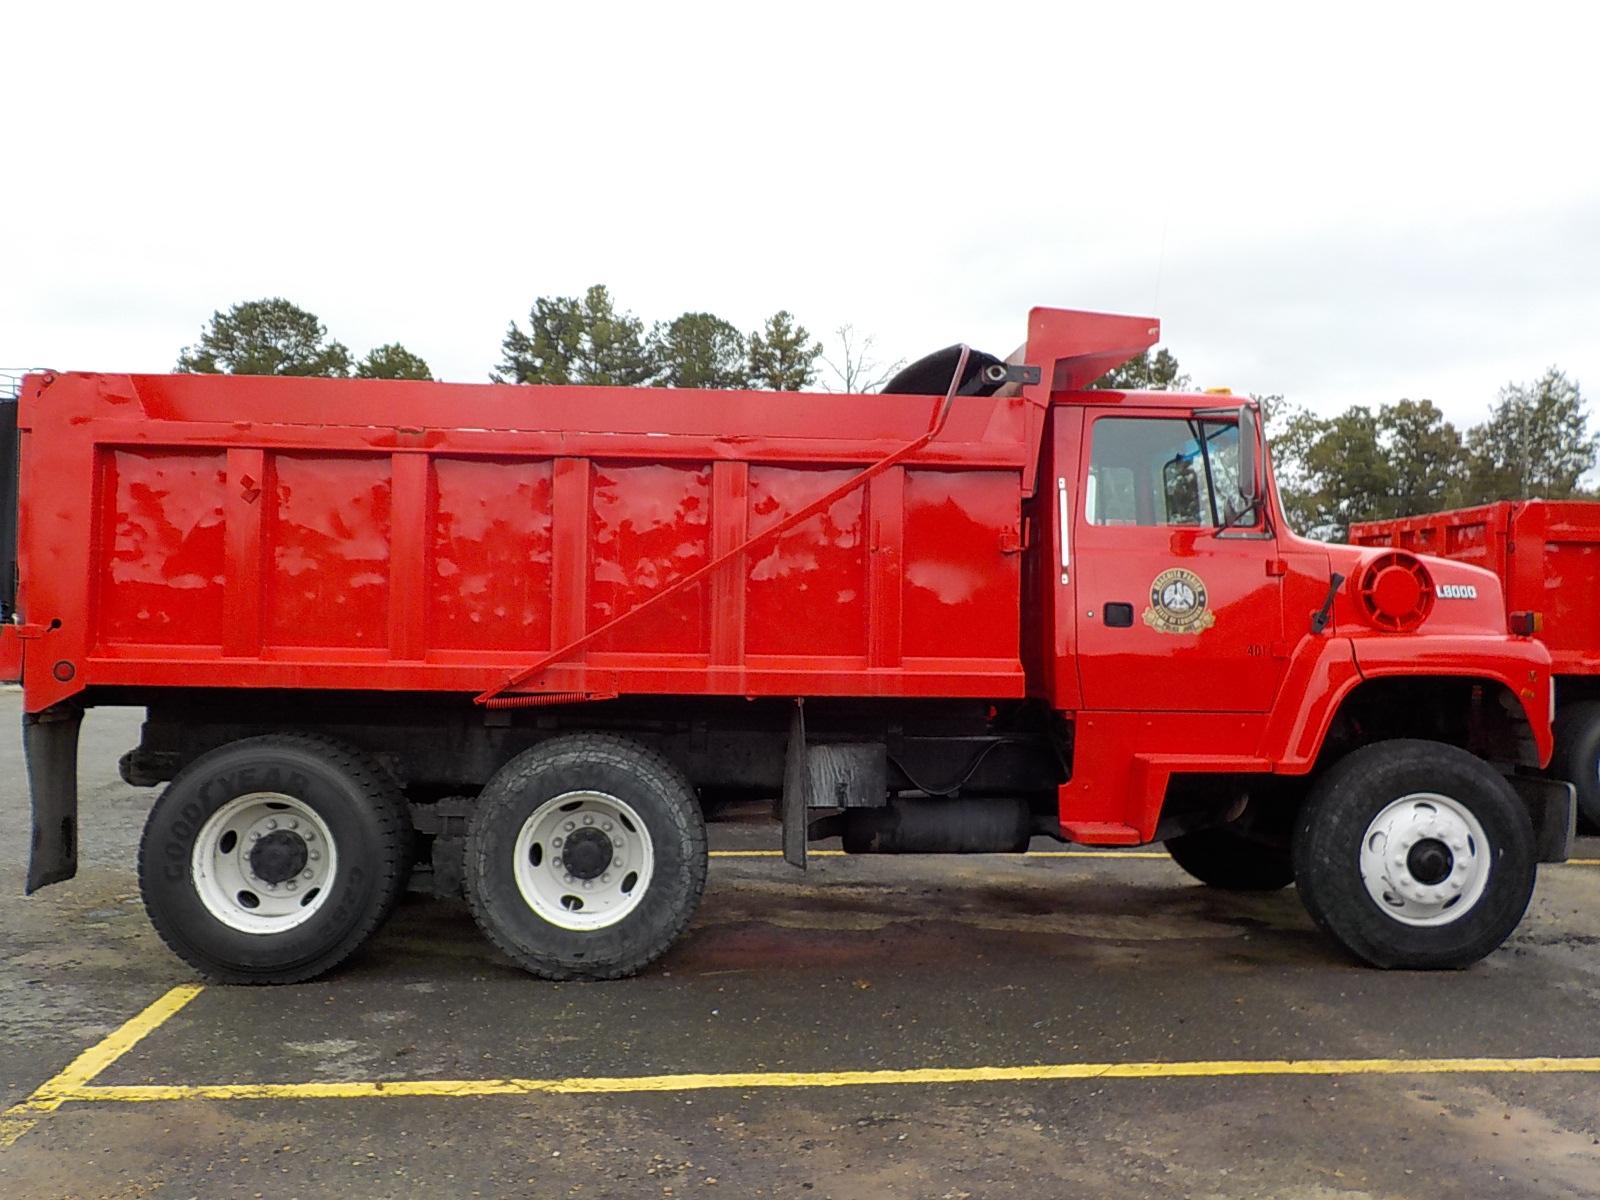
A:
{"x":320,"y":811}
{"x":526,"y":886}
{"x":1577,"y":756}
{"x":1222,"y":858}
{"x":1400,"y":794}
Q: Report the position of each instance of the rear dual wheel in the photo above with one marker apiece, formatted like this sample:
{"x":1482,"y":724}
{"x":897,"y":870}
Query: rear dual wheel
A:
{"x":585,"y":857}
{"x":1231,"y":862}
{"x":272,"y":859}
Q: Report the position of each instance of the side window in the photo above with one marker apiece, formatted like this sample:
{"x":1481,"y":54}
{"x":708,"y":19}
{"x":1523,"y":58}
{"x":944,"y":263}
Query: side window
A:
{"x":1162,"y":471}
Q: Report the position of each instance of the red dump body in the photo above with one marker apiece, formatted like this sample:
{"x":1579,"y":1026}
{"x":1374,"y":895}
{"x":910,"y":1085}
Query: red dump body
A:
{"x":1546,"y":553}
{"x":204,"y":531}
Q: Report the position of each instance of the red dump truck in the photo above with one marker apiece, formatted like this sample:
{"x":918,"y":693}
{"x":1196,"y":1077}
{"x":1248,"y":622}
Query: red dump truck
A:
{"x":521,"y":633}
{"x":1546,"y":555}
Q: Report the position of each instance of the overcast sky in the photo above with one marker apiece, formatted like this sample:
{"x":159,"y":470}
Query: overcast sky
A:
{"x":1342,"y":203}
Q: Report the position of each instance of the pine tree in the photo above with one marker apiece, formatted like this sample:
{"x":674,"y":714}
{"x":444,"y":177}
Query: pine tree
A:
{"x":1536,"y":442}
{"x":699,"y":350}
{"x":265,"y":337}
{"x":782,"y":356}
{"x":1145,"y":373}
{"x":392,"y":361}
{"x":573,"y":340}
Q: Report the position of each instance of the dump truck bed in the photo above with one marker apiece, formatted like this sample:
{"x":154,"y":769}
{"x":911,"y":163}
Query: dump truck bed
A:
{"x":1546,"y":553}
{"x":210,"y":531}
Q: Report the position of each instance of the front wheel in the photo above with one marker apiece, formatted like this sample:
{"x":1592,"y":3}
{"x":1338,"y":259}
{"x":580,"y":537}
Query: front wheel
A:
{"x":585,"y":857}
{"x":1415,"y":854}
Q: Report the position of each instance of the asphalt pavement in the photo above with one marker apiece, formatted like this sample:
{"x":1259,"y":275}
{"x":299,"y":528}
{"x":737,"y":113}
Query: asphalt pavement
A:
{"x":1039,"y":1026}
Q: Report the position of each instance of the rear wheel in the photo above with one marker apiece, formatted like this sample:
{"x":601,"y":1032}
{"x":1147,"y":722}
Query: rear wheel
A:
{"x":1226,"y":859}
{"x":586,"y":857}
{"x":1415,"y":854}
{"x":1577,"y":756}
{"x":272,"y":859}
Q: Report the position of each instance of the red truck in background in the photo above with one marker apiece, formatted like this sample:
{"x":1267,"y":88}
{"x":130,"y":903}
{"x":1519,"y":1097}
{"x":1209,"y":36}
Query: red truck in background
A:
{"x":1546,"y":555}
{"x":518,"y":633}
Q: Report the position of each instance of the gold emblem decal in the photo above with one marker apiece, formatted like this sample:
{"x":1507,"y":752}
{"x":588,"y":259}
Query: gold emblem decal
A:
{"x":1178,"y":603}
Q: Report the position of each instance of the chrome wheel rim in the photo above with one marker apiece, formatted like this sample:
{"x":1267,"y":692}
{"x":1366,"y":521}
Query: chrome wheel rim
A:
{"x":1425,"y":860}
{"x":263,"y":863}
{"x":584,"y":860}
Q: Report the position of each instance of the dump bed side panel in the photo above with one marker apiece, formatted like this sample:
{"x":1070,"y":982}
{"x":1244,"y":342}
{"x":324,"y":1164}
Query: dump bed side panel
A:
{"x":1471,"y":535}
{"x":1556,"y":573}
{"x":182,"y":540}
{"x":1546,"y":553}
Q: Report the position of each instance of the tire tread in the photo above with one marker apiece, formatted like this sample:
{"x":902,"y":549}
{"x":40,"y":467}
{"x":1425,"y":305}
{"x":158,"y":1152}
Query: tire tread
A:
{"x":500,"y":795}
{"x":394,"y":829}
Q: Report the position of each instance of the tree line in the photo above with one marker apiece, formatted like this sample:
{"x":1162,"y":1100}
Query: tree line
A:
{"x":1405,"y":458}
{"x":1365,"y":463}
{"x":566,"y":340}
{"x":275,"y":337}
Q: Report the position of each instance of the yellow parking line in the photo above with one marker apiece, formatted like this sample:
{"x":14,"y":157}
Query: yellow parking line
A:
{"x":1162,"y":854}
{"x":736,"y":1080}
{"x":1028,"y":854}
{"x":66,"y":1085}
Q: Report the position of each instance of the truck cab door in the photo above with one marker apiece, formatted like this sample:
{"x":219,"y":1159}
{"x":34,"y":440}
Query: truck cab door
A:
{"x":1171,"y":613}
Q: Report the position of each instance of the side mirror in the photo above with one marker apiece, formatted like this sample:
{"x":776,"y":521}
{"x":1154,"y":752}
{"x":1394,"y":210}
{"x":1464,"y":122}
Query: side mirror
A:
{"x":1249,"y":454}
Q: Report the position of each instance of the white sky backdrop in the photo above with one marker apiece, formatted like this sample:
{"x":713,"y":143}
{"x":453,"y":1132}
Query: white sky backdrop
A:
{"x":1340,"y":203}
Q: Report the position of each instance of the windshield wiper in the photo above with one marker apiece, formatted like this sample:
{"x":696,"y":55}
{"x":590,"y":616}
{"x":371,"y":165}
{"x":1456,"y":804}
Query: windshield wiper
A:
{"x":1319,"y":619}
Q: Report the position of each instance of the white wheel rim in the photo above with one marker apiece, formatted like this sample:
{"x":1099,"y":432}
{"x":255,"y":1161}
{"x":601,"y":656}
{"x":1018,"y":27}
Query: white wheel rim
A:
{"x":241,"y":860}
{"x":601,"y":883}
{"x":1425,"y":860}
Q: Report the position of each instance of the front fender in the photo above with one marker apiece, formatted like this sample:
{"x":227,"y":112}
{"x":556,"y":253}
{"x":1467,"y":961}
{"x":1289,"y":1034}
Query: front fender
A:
{"x":1521,"y":665}
{"x":1322,"y":672}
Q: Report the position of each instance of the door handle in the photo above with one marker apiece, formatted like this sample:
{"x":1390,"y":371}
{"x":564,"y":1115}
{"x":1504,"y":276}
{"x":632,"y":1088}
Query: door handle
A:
{"x":1118,"y":615}
{"x":1064,"y":519}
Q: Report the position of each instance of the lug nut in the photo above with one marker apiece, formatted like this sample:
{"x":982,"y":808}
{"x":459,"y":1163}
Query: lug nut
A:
{"x":272,"y":822}
{"x":569,"y":826}
{"x":306,"y":874}
{"x":566,"y":879}
{"x":606,"y":825}
{"x":291,"y":885}
{"x":555,"y":841}
{"x":587,"y":820}
{"x":315,"y":855}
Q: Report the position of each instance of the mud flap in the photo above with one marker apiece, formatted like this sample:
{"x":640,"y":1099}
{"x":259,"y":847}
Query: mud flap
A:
{"x":1553,"y":806}
{"x":50,"y":741}
{"x":793,"y":805}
